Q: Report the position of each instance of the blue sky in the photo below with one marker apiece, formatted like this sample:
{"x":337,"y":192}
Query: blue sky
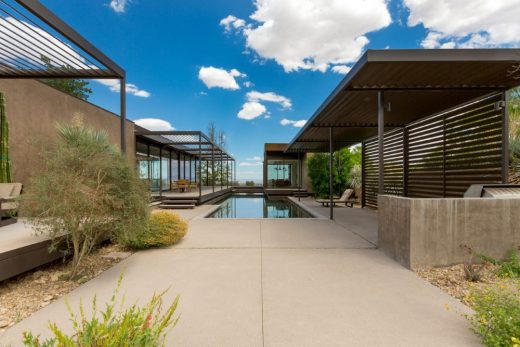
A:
{"x":285,"y":54}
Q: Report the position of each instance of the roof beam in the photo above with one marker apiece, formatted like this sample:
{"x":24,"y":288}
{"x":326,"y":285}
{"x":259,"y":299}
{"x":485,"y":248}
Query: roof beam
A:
{"x":40,"y":11}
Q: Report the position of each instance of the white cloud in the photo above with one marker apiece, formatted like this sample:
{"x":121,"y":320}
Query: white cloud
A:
{"x":248,"y":163}
{"x":247,"y":84}
{"x":451,"y":24}
{"x":119,"y":6}
{"x":115,"y":86}
{"x":294,"y":123}
{"x":270,"y":97}
{"x":232,"y":22}
{"x":341,"y":69}
{"x":154,"y":124}
{"x":251,"y":110}
{"x":312,"y":34}
{"x":13,"y":31}
{"x":254,"y":158}
{"x":219,"y":78}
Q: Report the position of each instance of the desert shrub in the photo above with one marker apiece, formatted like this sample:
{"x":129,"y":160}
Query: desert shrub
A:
{"x":163,"y":229}
{"x":84,"y":192}
{"x":506,"y":268}
{"x":135,"y":326}
{"x":497,"y":314}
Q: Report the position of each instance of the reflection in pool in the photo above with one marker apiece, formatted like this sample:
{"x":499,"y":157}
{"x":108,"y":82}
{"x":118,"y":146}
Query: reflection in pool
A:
{"x":258,"y":206}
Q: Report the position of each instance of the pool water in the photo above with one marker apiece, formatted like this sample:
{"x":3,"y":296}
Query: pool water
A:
{"x":258,"y":206}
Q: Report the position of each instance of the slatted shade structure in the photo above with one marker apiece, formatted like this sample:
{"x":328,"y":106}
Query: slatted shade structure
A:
{"x":421,"y":102}
{"x":36,"y":44}
{"x":195,"y":144}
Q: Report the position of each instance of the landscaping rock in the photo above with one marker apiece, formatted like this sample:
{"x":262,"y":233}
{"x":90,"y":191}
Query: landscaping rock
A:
{"x":4,"y":323}
{"x":117,"y":255}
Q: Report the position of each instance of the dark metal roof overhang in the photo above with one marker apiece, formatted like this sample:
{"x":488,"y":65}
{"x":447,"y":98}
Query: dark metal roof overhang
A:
{"x":194,"y":143}
{"x":29,"y":32}
{"x":415,"y":83}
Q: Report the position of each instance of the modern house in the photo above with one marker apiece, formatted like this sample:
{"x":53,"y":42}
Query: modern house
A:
{"x":431,"y":124}
{"x":283,"y":171}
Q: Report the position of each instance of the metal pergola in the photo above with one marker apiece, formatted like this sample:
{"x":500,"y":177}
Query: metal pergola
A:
{"x":388,"y":91}
{"x":30,"y":33}
{"x":198,"y":145}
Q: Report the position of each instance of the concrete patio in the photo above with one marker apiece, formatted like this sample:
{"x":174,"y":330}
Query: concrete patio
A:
{"x":306,"y":282}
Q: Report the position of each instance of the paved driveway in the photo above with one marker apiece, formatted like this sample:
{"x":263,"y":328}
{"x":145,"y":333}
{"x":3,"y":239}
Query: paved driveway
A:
{"x":307,"y":282}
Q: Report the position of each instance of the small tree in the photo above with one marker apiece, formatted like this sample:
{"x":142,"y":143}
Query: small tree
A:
{"x":85,"y":192}
{"x":73,"y":86}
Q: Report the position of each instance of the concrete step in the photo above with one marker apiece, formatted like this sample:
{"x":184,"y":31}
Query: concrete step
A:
{"x":179,"y":201}
{"x":176,"y":206}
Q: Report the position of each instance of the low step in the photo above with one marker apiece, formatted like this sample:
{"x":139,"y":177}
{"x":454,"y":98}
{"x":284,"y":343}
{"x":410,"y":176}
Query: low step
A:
{"x":176,"y":206}
{"x":179,"y":201}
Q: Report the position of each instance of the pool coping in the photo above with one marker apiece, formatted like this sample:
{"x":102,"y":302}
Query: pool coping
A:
{"x":205,"y":214}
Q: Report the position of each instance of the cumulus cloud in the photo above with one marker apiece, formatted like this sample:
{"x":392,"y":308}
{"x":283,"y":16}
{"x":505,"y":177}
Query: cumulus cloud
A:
{"x":220,"y":78}
{"x":119,"y":6}
{"x":294,"y":123}
{"x":489,"y":23}
{"x":254,"y":158}
{"x":269,"y":97}
{"x":254,"y":108}
{"x":341,"y":69}
{"x":312,"y":34}
{"x":115,"y":86}
{"x":248,"y":163}
{"x":12,"y":31}
{"x":251,"y":110}
{"x":231,"y":22}
{"x":154,"y":124}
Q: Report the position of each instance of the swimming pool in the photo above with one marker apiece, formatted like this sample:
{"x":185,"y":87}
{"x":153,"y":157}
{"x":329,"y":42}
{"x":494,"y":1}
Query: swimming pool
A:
{"x":258,"y":206}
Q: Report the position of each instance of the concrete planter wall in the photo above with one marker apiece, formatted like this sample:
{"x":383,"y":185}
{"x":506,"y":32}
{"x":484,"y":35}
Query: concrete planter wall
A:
{"x":430,"y":232}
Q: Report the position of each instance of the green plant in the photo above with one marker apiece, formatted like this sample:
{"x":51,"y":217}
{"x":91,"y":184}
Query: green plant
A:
{"x":5,"y":162}
{"x":250,"y":183}
{"x":506,"y":268}
{"x":135,"y":326}
{"x":73,"y":86}
{"x":472,"y":271}
{"x":497,"y":314}
{"x":343,"y":162}
{"x":85,"y":192}
{"x":163,"y":229}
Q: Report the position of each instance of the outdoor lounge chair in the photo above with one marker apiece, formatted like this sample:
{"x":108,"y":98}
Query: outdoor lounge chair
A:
{"x":9,"y":193}
{"x":344,"y":199}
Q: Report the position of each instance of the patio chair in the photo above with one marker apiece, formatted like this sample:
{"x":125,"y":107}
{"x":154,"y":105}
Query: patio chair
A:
{"x":344,"y":199}
{"x":9,"y":193}
{"x":193,"y":185}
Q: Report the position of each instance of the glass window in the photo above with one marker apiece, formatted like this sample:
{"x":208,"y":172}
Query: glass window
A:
{"x":282,"y":173}
{"x":155,"y":173}
{"x":175,"y":166}
{"x":143,"y":166}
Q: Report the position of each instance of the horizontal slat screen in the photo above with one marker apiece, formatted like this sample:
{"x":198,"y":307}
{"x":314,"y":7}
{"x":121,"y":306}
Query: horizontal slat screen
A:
{"x":446,"y":153}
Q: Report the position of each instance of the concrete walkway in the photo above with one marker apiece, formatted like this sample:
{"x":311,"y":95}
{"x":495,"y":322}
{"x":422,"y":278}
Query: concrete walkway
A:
{"x":306,"y":282}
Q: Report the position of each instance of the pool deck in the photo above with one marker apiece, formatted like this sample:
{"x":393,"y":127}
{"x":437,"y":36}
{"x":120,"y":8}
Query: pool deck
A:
{"x":277,"y":282}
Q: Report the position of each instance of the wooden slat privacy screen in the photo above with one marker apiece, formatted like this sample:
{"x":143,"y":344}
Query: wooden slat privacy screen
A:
{"x":440,"y":155}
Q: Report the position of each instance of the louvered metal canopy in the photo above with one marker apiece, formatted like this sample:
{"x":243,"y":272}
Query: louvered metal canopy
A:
{"x":416,"y":83}
{"x":35,"y":43}
{"x":194,"y":143}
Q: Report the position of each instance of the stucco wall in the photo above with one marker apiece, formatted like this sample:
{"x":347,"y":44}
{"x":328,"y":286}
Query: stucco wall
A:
{"x":430,"y":232}
{"x":33,"y":109}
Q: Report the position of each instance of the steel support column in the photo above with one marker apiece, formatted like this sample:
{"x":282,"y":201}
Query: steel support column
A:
{"x":363,"y":164}
{"x":160,"y":171}
{"x":213,"y":167}
{"x":331,"y":188}
{"x":200,"y":167}
{"x":221,"y":172}
{"x":381,"y":140}
{"x":122,"y":117}
{"x":505,"y":138}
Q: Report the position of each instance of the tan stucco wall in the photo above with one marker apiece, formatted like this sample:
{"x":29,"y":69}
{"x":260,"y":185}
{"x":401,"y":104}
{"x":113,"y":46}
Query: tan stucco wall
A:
{"x":33,"y":109}
{"x":430,"y":232}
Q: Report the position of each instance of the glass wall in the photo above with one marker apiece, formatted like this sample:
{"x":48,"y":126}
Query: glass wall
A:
{"x":182,"y":167}
{"x":155,"y":173}
{"x":175,"y":166}
{"x":282,"y":173}
{"x":143,"y":165}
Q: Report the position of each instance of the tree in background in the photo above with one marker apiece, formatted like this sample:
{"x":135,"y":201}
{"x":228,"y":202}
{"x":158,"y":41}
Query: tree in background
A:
{"x":344,"y":161}
{"x":5,"y":161}
{"x":220,"y":174}
{"x":84,"y":193}
{"x":514,"y":135}
{"x":72,"y":86}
